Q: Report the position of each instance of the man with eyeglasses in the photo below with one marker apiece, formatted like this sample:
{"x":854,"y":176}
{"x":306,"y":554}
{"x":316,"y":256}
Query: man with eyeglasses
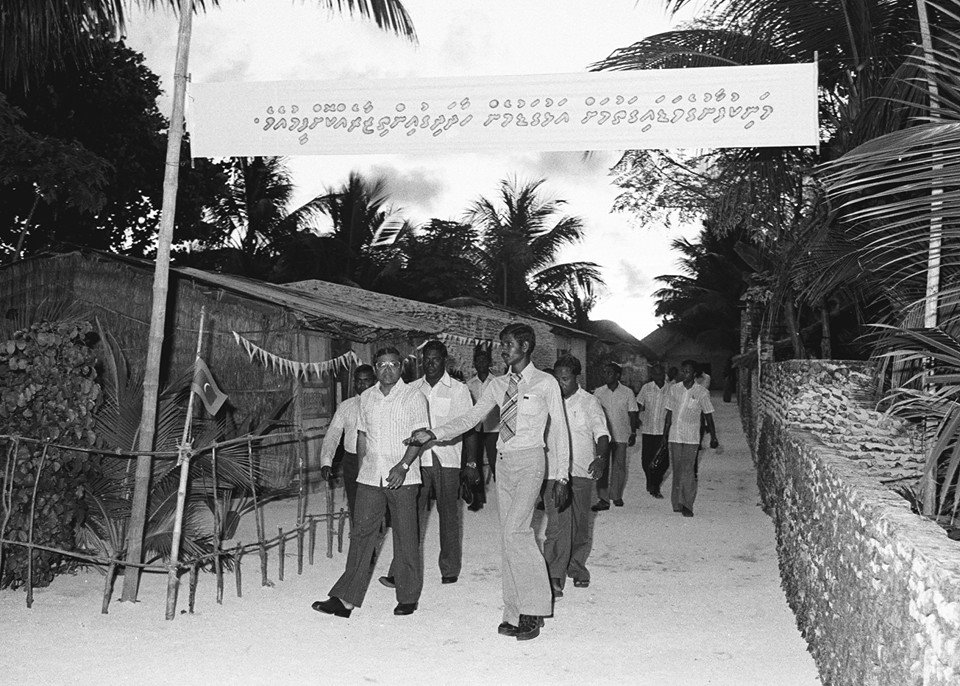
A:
{"x":527,"y":398}
{"x":389,"y":480}
{"x":440,"y":460}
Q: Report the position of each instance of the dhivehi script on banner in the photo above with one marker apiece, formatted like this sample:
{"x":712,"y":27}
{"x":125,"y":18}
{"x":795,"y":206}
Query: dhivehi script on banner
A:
{"x":716,"y":107}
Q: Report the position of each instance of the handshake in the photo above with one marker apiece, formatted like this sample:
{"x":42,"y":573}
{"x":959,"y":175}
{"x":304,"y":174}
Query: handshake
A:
{"x":420,"y":437}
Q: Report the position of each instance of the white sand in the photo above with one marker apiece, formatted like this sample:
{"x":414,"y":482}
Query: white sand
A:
{"x":672,"y":601}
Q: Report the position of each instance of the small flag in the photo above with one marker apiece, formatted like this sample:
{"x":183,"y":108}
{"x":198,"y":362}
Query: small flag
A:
{"x":205,"y":387}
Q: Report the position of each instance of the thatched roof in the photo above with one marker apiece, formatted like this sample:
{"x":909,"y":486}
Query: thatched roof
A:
{"x":508,"y":314}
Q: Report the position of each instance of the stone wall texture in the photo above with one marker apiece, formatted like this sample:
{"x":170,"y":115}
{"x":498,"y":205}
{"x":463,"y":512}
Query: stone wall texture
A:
{"x":875,"y":588}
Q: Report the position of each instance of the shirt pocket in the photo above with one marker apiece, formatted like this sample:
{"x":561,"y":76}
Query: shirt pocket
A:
{"x":439,"y":408}
{"x":531,"y":404}
{"x":693,"y":404}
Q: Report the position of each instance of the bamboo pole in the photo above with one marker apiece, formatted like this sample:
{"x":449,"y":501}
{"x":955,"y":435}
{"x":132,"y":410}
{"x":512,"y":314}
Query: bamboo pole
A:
{"x":151,"y":380}
{"x":9,"y":469}
{"x":300,"y":549}
{"x":217,"y":532}
{"x":173,"y":578}
{"x":312,"y":538}
{"x":33,"y":509}
{"x":330,"y":517}
{"x":194,"y":575}
{"x":236,"y":569}
{"x":299,"y":446}
{"x":281,"y":548}
{"x":257,"y":516}
{"x":340,"y":523}
{"x":108,"y":588}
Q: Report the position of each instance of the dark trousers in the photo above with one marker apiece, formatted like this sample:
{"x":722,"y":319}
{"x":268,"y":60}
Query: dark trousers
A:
{"x":683,"y":459}
{"x":350,"y":469}
{"x":569,"y":537}
{"x":488,"y":442}
{"x":650,"y":446}
{"x":372,"y":504}
{"x":444,"y":482}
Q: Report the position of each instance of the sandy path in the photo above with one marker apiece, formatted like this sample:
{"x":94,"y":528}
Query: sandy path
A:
{"x":672,"y":601}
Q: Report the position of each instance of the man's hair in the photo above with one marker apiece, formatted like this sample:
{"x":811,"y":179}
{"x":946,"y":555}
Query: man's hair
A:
{"x":435,"y":345}
{"x":690,"y":363}
{"x":568,"y":362}
{"x":615,"y":367}
{"x":672,"y":373}
{"x":482,"y":352}
{"x":523,"y":333}
{"x":364,"y":368}
{"x":388,"y":350}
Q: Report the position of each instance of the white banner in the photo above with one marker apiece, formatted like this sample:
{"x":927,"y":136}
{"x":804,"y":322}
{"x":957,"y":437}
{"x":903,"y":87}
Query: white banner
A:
{"x":717,"y":107}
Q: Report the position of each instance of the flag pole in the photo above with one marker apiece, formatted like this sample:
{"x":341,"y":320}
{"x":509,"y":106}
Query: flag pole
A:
{"x":173,"y":577}
{"x":161,"y":276}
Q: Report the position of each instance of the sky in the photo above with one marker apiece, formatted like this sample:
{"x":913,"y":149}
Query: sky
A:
{"x":270,"y":40}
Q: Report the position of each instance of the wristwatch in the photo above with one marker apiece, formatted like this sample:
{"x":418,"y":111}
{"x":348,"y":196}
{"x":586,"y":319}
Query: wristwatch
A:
{"x":472,"y":465}
{"x":405,"y":466}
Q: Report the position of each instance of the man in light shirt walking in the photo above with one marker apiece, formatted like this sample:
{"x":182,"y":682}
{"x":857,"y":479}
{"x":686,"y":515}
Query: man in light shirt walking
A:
{"x":620,"y":407}
{"x":681,"y":428}
{"x":389,"y":479}
{"x":488,"y":429}
{"x":440,"y":460}
{"x":527,"y":398}
{"x":568,"y":538}
{"x":652,"y":401}
{"x":344,"y":424}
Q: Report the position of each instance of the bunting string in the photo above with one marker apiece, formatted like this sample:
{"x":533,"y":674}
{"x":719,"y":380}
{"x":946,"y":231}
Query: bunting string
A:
{"x":282,"y":365}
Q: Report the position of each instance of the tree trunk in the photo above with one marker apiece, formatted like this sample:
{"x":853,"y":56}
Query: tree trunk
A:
{"x":25,"y":228}
{"x":790,"y":319}
{"x":826,"y":349}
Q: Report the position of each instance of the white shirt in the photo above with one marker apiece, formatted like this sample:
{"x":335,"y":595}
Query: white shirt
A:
{"x":686,"y":404}
{"x":344,"y":423}
{"x":490,"y":423}
{"x":587,"y":425}
{"x":539,"y":400}
{"x":447,"y":399}
{"x":386,"y":420}
{"x":617,"y":404}
{"x":653,"y":398}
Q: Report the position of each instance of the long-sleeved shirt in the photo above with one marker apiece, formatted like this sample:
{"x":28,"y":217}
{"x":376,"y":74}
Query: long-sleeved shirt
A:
{"x":446,"y":399}
{"x":686,"y":404}
{"x":587,"y":425}
{"x":654,"y":401}
{"x":617,"y":405}
{"x":386,"y":420}
{"x":490,"y":423}
{"x":344,"y":423}
{"x":539,"y":400}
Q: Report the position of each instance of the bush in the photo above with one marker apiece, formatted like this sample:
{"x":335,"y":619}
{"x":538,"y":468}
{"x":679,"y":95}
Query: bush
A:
{"x":48,"y":391}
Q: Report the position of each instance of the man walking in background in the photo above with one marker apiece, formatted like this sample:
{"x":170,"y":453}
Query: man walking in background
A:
{"x":488,"y":429}
{"x":653,"y":410}
{"x":440,"y":460}
{"x":344,"y":424}
{"x":527,"y":398}
{"x":568,"y":536}
{"x":389,"y":479}
{"x":620,"y":407}
{"x":686,"y":402}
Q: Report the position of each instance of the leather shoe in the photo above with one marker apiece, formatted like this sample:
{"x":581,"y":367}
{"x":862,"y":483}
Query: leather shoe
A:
{"x":601,"y":506}
{"x":388,"y":581}
{"x":507,"y":629}
{"x":581,"y":583}
{"x":529,"y":627}
{"x":678,"y":509}
{"x":556,"y":587}
{"x":657,"y":494}
{"x":332,"y":606}
{"x":618,"y":502}
{"x":448,"y":579}
{"x":405,"y":608}
{"x":686,"y":512}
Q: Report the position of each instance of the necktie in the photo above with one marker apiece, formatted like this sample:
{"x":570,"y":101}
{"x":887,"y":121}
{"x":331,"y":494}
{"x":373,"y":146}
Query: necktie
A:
{"x":508,"y":409}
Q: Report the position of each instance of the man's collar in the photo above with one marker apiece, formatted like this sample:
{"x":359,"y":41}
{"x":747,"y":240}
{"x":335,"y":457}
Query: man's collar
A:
{"x":527,"y":371}
{"x":446,"y":380}
{"x":400,"y":384}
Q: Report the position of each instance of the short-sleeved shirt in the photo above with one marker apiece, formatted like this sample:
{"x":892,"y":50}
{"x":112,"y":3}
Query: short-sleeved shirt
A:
{"x":446,"y":399}
{"x":587,"y":425}
{"x":344,"y":423}
{"x":386,"y":420}
{"x":490,"y":423}
{"x":687,"y":404}
{"x":617,"y":405}
{"x":654,"y":401}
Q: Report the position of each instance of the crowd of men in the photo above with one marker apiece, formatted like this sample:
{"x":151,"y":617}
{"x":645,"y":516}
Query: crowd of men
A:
{"x":546,"y":442}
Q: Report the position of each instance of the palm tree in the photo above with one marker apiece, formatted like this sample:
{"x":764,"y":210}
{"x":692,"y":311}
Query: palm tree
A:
{"x":521,"y":236}
{"x":37,"y":35}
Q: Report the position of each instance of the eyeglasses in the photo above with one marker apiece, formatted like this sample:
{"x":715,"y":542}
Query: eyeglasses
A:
{"x":388,"y":365}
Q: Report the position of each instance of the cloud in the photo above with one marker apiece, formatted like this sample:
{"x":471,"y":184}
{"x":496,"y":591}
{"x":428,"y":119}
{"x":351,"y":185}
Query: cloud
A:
{"x":637,"y":284}
{"x":417,"y":188}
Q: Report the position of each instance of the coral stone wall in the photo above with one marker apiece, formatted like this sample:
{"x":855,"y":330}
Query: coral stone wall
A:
{"x":875,"y":588}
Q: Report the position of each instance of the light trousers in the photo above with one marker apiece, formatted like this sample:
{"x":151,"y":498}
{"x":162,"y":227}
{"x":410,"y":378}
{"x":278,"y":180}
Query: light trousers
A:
{"x":614,"y":479}
{"x":683,"y":460}
{"x":569,"y":535}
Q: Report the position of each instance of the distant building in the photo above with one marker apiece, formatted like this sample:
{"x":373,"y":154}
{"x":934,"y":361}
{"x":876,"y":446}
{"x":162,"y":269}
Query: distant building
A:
{"x":671,"y":346}
{"x":614,"y":343}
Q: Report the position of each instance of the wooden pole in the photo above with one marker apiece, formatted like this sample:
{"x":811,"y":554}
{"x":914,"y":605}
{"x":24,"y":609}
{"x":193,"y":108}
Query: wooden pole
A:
{"x":217,"y":562}
{"x":340,"y":523}
{"x":257,"y":516}
{"x":108,"y":588}
{"x":300,"y":549}
{"x":173,"y":577}
{"x":299,"y":446}
{"x":9,"y":469}
{"x":236,"y":568}
{"x":312,"y":538}
{"x":281,"y":552}
{"x":194,"y":576}
{"x":161,"y":275}
{"x":33,"y":509}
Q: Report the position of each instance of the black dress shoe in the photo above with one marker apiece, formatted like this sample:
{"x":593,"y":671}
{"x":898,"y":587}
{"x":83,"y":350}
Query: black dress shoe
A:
{"x":618,"y":502}
{"x":678,"y":509}
{"x":686,"y":512}
{"x":448,"y":579}
{"x":658,"y":495}
{"x":581,"y":583}
{"x":529,"y":627}
{"x":476,"y":507}
{"x":405,"y":608}
{"x":507,"y":629}
{"x":601,"y":506}
{"x":332,"y":606}
{"x":388,"y":581}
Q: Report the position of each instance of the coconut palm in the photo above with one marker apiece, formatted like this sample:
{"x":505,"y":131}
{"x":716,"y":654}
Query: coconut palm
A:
{"x":521,"y":235}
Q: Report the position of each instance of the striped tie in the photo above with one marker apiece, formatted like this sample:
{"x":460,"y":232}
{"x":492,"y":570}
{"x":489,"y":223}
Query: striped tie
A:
{"x":508,"y":410}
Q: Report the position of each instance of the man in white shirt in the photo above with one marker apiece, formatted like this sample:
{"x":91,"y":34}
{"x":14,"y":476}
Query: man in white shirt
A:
{"x":620,"y":406}
{"x":440,"y":460}
{"x":528,"y":398}
{"x":488,"y":429}
{"x":344,"y":424}
{"x":568,"y":536}
{"x":652,"y":401}
{"x":389,"y":479}
{"x":681,"y":429}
